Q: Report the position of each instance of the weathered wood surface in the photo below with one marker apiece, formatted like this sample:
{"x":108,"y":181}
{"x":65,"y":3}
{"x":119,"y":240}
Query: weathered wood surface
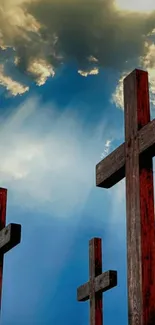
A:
{"x":111,"y":169}
{"x":98,"y":282}
{"x":139,"y":204}
{"x":9,"y":237}
{"x":102,"y":282}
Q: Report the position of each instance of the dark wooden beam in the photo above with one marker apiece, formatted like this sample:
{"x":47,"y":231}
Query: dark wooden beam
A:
{"x":10,"y":236}
{"x":139,"y":202}
{"x":95,"y":269}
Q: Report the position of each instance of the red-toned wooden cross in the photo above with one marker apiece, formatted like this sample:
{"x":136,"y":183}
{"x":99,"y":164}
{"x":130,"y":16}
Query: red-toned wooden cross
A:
{"x":98,"y":282}
{"x":9,"y":236}
{"x":133,"y":159}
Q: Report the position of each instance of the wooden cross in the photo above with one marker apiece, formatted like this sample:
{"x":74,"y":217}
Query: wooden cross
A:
{"x":98,"y":282}
{"x":10,"y":236}
{"x":133,"y":159}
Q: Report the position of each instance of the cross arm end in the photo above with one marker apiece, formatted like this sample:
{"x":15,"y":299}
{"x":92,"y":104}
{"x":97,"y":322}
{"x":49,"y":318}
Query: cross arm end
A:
{"x":83,"y":292}
{"x":106,"y":281}
{"x":10,"y":236}
{"x":111,"y":169}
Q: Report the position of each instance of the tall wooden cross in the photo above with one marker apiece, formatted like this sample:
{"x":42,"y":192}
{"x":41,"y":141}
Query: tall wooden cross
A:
{"x":98,"y":282}
{"x":9,"y":236}
{"x":133,"y":159}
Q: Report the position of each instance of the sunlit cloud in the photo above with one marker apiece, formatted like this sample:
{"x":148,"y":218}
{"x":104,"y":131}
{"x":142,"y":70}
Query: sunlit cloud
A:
{"x":48,"y":157}
{"x":146,"y":62}
{"x":117,"y":96}
{"x":41,"y":70}
{"x":132,"y":5}
{"x":14,"y":87}
{"x":88,"y":73}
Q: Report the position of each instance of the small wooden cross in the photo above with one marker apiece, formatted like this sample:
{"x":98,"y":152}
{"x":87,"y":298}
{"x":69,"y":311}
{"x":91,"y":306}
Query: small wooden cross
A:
{"x":10,"y":235}
{"x":98,"y":282}
{"x":133,"y":159}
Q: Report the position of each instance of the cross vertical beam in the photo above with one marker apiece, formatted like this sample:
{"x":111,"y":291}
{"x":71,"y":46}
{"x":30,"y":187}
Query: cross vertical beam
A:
{"x":139,"y":204}
{"x":95,"y":268}
{"x":3,"y":201}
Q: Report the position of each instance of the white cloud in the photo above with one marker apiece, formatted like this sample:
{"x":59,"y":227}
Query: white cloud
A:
{"x":41,"y":70}
{"x":90,"y":72}
{"x":48,"y":158}
{"x":117,"y":96}
{"x":106,"y":148}
{"x":13,"y":87}
{"x":146,"y":62}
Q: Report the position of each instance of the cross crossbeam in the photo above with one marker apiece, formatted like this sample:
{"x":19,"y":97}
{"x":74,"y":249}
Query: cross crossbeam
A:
{"x":98,"y":282}
{"x":133,"y":159}
{"x":102,"y":283}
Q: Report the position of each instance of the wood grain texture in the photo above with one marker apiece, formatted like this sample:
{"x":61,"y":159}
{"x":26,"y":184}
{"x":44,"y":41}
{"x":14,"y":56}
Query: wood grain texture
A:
{"x":10,"y":236}
{"x":111,"y":169}
{"x":134,"y":159}
{"x":139,"y":204}
{"x":98,"y":282}
{"x":146,"y":197}
{"x":102,"y":282}
{"x":3,"y":202}
{"x":132,"y":201}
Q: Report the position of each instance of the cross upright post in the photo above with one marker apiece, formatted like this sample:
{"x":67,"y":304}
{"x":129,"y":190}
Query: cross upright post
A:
{"x":133,"y":159}
{"x":10,"y":235}
{"x":98,"y":282}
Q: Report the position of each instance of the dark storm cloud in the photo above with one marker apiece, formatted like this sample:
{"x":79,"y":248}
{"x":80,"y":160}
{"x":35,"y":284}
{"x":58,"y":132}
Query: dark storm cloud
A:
{"x":48,"y":33}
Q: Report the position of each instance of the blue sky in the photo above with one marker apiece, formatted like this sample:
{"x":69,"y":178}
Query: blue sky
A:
{"x":61,"y":112}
